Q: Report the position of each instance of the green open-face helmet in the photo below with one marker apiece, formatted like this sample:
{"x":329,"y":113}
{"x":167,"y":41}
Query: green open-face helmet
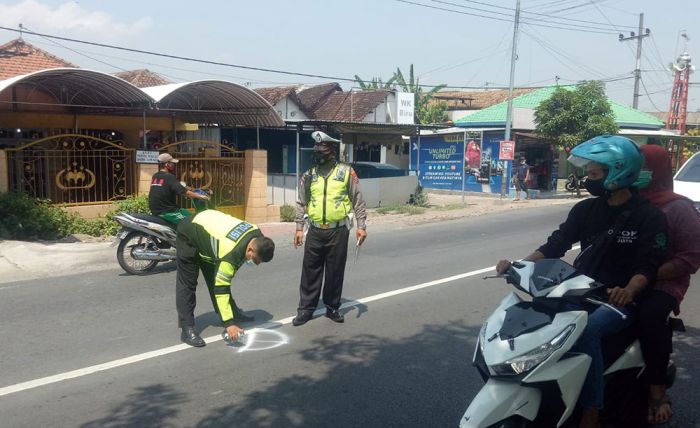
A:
{"x":619,"y":155}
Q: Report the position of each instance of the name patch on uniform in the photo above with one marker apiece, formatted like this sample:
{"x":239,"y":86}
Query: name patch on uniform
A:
{"x":237,"y":232}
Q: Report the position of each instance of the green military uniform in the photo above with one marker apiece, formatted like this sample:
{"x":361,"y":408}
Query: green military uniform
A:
{"x":215,"y":243}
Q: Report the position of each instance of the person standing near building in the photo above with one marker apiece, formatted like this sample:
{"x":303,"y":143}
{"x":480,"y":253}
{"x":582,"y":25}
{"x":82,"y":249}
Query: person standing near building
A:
{"x":165,"y":188}
{"x":219,"y":245}
{"x":522,"y":175}
{"x":328,"y":191}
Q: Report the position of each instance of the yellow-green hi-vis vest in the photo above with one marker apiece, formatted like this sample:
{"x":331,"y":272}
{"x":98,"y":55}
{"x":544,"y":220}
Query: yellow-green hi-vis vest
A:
{"x":329,"y":201}
{"x":222,"y":247}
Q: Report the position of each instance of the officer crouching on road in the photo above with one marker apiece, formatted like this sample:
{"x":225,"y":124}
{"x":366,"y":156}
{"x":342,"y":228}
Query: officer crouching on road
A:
{"x":219,"y":244}
{"x":327,"y":193}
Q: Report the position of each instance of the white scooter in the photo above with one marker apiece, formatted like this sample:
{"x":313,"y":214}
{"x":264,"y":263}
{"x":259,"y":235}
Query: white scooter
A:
{"x":523,"y":353}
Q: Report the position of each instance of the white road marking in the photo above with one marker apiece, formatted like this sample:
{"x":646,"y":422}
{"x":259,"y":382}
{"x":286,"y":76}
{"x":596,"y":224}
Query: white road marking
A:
{"x":23,"y":386}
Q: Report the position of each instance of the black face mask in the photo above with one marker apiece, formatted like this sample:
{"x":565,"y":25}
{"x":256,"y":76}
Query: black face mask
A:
{"x":596,"y":187}
{"x":321,"y":158}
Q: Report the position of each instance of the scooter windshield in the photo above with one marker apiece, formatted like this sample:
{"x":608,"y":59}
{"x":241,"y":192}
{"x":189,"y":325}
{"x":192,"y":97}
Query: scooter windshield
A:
{"x":549,"y":273}
{"x":525,"y":317}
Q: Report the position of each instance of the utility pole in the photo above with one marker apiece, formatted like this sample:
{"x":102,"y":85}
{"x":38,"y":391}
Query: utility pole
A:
{"x":509,"y":112}
{"x":638,"y":66}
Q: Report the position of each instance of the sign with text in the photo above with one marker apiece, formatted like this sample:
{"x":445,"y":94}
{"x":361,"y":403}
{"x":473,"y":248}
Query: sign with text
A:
{"x":441,"y":163}
{"x":507,"y":150}
{"x":405,"y":108}
{"x":147,"y":156}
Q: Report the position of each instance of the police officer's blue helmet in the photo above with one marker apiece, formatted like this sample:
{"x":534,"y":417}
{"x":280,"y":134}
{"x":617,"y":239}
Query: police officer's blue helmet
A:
{"x":621,"y":156}
{"x":201,"y":204}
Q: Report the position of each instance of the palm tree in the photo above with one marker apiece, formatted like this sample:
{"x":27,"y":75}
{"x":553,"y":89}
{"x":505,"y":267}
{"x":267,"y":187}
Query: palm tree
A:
{"x":421,"y":98}
{"x":375,"y":84}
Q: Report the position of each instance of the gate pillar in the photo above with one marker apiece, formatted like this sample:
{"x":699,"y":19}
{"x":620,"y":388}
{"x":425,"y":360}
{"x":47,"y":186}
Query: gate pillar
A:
{"x":256,"y":186}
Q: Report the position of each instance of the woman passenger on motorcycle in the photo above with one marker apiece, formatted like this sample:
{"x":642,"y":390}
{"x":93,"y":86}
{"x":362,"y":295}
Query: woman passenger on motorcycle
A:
{"x":626,"y":262}
{"x":673,"y":278}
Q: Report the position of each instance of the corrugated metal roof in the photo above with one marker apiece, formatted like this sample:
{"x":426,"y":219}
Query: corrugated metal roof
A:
{"x":215,"y":101}
{"x":80,"y":87}
{"x":495,"y":115}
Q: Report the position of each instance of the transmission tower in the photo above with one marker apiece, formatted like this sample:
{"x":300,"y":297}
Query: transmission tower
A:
{"x":676,"y":116}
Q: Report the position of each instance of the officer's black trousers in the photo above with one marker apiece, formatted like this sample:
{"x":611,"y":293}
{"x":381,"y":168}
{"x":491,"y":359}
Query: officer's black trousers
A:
{"x":188,"y":265}
{"x":325,"y":253}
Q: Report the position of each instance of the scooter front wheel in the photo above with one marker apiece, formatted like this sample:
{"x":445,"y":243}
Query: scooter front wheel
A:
{"x":132,"y":241}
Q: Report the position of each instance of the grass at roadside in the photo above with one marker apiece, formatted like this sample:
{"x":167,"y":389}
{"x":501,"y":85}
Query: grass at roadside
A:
{"x":451,"y":207}
{"x":401,"y":209}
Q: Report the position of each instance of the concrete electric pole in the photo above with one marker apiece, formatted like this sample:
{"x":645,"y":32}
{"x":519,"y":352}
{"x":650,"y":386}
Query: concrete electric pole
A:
{"x":638,"y":66}
{"x":509,"y":111}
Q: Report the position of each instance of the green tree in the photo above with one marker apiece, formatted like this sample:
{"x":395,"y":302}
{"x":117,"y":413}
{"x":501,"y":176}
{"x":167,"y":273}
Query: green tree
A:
{"x":570,"y":117}
{"x":424,"y":113}
{"x":375,"y":84}
{"x":433,"y":113}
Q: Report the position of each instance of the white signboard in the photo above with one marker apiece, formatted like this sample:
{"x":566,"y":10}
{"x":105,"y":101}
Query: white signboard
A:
{"x":405,"y":108}
{"x":147,"y":156}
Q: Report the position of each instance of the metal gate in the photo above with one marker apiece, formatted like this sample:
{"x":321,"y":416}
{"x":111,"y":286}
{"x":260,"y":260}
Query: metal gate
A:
{"x":212,"y":166}
{"x":72,"y":169}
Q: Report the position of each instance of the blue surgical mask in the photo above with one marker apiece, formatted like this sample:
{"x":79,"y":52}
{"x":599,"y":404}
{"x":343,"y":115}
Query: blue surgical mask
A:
{"x":644,"y":179}
{"x":249,"y":262}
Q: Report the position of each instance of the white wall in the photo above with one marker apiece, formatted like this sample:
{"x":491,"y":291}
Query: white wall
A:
{"x":288,"y":109}
{"x":388,"y":190}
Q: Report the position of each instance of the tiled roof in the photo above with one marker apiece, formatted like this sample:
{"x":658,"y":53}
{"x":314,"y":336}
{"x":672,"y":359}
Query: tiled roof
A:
{"x":142,"y":78}
{"x":311,"y":98}
{"x":495,"y":115}
{"x":18,"y":57}
{"x":350,"y":106}
{"x":276,"y":94}
{"x":476,"y":100}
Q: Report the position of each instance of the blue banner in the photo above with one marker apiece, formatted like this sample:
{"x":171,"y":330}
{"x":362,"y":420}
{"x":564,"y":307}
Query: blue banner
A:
{"x":440,"y":161}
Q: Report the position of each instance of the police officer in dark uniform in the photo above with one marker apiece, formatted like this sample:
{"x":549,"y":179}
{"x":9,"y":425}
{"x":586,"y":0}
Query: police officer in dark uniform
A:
{"x":327,"y":193}
{"x":219,"y":245}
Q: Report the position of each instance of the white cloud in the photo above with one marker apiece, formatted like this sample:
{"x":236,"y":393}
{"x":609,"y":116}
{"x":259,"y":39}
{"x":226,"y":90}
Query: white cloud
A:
{"x":71,"y":20}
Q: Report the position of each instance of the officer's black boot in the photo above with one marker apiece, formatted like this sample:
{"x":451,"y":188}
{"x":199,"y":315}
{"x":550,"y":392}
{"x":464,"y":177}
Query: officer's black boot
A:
{"x":239,"y":315}
{"x":190,"y":336}
{"x":302,"y":318}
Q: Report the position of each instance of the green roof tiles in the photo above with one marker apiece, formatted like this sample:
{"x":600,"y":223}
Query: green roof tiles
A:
{"x":496,"y":114}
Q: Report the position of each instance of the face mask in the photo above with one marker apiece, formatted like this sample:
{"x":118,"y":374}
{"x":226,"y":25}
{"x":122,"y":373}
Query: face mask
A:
{"x":595,"y":187}
{"x":249,"y":262}
{"x":644,"y":180}
{"x":320,"y":158}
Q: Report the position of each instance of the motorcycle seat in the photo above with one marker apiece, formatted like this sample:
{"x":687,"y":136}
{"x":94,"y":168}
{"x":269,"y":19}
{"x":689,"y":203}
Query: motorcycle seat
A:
{"x":153,"y":219}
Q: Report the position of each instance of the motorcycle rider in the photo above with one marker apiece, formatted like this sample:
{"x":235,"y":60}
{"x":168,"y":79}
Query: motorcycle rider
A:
{"x":623,"y":241}
{"x":219,"y":245}
{"x":165,"y":188}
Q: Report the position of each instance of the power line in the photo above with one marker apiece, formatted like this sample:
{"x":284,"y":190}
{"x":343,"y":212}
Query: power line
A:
{"x":542,"y":14}
{"x":649,"y":97}
{"x":198,"y":60}
{"x":572,"y":28}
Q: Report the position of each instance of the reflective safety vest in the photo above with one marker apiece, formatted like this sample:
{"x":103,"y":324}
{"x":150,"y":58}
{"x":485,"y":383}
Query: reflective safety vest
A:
{"x":329,"y":201}
{"x":224,"y":245}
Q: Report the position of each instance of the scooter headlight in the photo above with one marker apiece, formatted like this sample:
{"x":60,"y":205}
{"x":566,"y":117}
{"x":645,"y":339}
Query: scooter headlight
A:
{"x":482,"y":337}
{"x":530,"y":360}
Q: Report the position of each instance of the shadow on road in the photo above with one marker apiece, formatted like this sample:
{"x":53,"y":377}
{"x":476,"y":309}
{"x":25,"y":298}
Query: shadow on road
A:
{"x":150,"y":406}
{"x":422,"y":380}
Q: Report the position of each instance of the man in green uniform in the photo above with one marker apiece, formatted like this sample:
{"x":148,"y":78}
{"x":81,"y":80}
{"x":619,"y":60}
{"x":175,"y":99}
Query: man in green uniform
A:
{"x":165,"y":188}
{"x":219,"y":245}
{"x":327,"y":193}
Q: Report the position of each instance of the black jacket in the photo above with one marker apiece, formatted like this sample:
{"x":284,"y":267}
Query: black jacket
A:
{"x":638,"y":248}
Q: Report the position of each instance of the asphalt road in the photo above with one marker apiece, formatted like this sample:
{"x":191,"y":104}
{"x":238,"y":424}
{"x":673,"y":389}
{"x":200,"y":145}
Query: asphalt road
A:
{"x":102,"y":347}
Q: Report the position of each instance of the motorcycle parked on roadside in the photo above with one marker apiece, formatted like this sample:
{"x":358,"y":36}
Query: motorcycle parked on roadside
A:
{"x":575,"y":182}
{"x":146,"y":240}
{"x":523,"y":353}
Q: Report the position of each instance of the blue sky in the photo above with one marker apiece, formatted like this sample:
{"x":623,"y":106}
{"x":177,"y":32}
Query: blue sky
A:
{"x":371,"y":38}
